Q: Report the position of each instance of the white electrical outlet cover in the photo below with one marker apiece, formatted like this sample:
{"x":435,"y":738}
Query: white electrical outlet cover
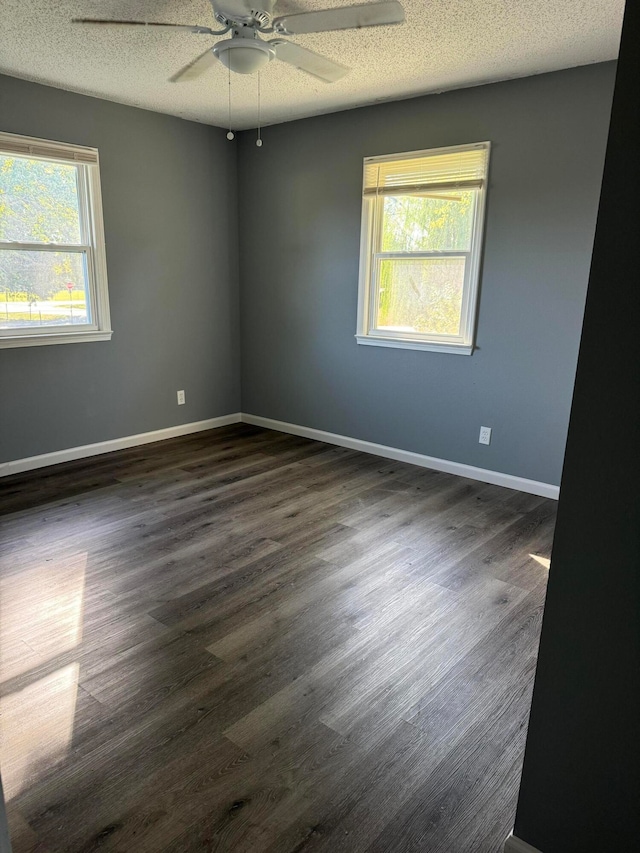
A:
{"x":485,"y":435}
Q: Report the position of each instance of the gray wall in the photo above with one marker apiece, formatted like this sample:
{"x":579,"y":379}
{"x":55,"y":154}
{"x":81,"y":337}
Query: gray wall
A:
{"x":299,"y":205}
{"x":169,"y":194}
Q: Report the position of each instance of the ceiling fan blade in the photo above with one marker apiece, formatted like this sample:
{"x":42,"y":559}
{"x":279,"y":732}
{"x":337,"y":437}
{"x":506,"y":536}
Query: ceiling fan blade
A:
{"x":344,"y":18}
{"x":192,"y":29}
{"x":195,"y":68}
{"x":307,"y":60}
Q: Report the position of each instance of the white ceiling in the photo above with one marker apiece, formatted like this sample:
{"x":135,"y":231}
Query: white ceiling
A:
{"x":444,"y":44}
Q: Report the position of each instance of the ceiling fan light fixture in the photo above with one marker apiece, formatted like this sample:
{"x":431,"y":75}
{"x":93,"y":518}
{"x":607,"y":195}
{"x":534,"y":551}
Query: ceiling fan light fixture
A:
{"x":244,"y":56}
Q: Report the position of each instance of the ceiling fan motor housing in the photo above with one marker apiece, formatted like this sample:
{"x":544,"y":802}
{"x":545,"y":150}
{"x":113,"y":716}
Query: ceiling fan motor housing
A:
{"x":244,"y":11}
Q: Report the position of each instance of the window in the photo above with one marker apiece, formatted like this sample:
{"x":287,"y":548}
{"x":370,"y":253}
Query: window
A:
{"x":53,"y":273}
{"x":422,"y":224}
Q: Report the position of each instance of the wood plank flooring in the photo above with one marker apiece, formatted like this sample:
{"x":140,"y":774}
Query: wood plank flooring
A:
{"x":246,"y":641}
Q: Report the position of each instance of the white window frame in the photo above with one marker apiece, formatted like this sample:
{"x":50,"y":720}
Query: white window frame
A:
{"x":371,"y":255}
{"x":92,"y":244}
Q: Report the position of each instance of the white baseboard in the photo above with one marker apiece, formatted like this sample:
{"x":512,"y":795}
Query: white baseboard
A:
{"x":497,"y":478}
{"x":71,"y":453}
{"x":513,"y":844}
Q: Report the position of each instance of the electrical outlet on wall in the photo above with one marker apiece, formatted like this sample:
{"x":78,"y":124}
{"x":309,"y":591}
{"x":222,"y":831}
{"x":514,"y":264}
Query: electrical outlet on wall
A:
{"x":485,"y":435}
{"x":181,"y":398}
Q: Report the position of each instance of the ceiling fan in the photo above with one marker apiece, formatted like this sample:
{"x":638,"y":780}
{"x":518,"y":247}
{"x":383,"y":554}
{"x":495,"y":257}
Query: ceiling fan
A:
{"x":245,"y":52}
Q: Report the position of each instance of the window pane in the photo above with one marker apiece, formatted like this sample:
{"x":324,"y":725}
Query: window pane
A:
{"x":43,"y":289}
{"x":421,"y":295}
{"x":38,"y":201}
{"x":437,"y":222}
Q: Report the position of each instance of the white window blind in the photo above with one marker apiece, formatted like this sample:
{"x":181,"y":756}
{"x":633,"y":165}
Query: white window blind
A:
{"x":42,"y":149}
{"x":464,"y":167}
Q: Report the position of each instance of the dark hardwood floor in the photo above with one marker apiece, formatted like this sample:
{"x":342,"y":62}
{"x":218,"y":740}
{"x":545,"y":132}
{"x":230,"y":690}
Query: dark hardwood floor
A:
{"x":245,"y":641}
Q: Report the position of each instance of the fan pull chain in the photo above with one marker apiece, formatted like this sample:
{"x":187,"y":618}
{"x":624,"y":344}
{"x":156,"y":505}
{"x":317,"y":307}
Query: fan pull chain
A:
{"x":259,"y":139}
{"x":231,"y":134}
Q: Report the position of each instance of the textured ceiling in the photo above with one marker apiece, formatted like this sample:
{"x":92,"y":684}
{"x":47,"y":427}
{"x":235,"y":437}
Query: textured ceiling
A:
{"x":444,"y":44}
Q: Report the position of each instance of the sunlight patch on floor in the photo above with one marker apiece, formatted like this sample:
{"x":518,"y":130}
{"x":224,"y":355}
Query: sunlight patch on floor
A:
{"x":41,"y":610}
{"x":544,"y":561}
{"x":36,"y":727}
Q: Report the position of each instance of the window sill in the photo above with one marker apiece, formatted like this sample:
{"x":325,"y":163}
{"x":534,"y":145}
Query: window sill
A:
{"x":53,"y":338}
{"x":430,"y":346}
